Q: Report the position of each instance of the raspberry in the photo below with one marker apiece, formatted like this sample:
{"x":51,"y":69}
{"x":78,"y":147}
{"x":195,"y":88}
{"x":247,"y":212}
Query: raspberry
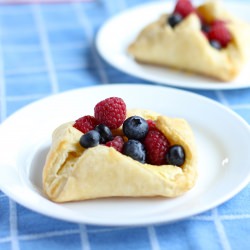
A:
{"x":85,"y":123}
{"x":219,"y":32}
{"x":116,"y":143}
{"x":184,"y":8}
{"x":151,"y":124}
{"x":156,"y":145}
{"x":111,"y":112}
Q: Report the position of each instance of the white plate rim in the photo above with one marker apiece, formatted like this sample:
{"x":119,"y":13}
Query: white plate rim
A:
{"x":60,"y":213}
{"x":186,"y":78}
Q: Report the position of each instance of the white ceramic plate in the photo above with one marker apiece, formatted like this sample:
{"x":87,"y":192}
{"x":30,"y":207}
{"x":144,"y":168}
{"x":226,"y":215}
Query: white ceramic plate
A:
{"x":118,"y":32}
{"x":222,"y":139}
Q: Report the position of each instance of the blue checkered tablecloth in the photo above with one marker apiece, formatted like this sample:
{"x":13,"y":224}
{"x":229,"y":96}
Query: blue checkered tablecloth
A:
{"x":47,"y":48}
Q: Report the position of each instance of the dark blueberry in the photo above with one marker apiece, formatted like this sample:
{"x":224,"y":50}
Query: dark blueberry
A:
{"x":175,"y":155}
{"x":174,"y":19}
{"x":135,"y":150}
{"x":90,"y":139}
{"x":215,"y":44}
{"x":205,"y":27}
{"x":105,"y":133}
{"x":135,"y":127}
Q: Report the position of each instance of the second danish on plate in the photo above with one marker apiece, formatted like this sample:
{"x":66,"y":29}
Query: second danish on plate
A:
{"x":206,"y":40}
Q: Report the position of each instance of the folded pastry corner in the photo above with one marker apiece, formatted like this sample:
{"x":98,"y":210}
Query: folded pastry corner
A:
{"x":72,"y":173}
{"x":186,"y":47}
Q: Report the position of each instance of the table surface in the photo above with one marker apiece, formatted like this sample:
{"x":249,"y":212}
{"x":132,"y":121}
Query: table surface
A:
{"x":49,"y":48}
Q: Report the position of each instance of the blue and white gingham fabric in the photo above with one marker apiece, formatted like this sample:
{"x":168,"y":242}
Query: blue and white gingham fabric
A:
{"x":49,"y":48}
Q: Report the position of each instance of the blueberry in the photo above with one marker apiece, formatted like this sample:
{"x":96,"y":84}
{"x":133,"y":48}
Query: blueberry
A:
{"x":205,"y":27}
{"x":135,"y":150}
{"x":174,"y":19}
{"x":215,"y":44}
{"x":135,"y":127}
{"x":105,"y":133}
{"x":175,"y":155}
{"x":90,"y":139}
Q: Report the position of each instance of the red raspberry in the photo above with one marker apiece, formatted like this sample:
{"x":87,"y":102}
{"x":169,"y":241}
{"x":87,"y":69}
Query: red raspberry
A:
{"x":220,"y":33}
{"x":85,"y":123}
{"x":116,"y":143}
{"x":151,"y":124}
{"x":184,"y":8}
{"x":111,"y":112}
{"x":156,"y":145}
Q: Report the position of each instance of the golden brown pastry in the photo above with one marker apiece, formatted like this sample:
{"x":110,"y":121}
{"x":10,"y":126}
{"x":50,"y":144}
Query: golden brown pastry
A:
{"x":187,"y":48}
{"x":74,"y":173}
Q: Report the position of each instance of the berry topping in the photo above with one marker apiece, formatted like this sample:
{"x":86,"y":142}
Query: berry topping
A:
{"x":205,"y":27}
{"x":175,"y":155}
{"x":135,"y":127}
{"x":90,"y":139}
{"x":139,"y":139}
{"x":116,"y":143}
{"x":151,"y":124}
{"x":220,"y":33}
{"x":135,"y":150}
{"x":105,"y":133}
{"x":111,"y":112}
{"x":156,"y":145}
{"x":174,"y":19}
{"x":215,"y":44}
{"x":85,"y":123}
{"x":184,"y":7}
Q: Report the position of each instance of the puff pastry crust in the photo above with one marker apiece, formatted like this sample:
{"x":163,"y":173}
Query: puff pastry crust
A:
{"x":73,"y":173}
{"x":184,"y":47}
